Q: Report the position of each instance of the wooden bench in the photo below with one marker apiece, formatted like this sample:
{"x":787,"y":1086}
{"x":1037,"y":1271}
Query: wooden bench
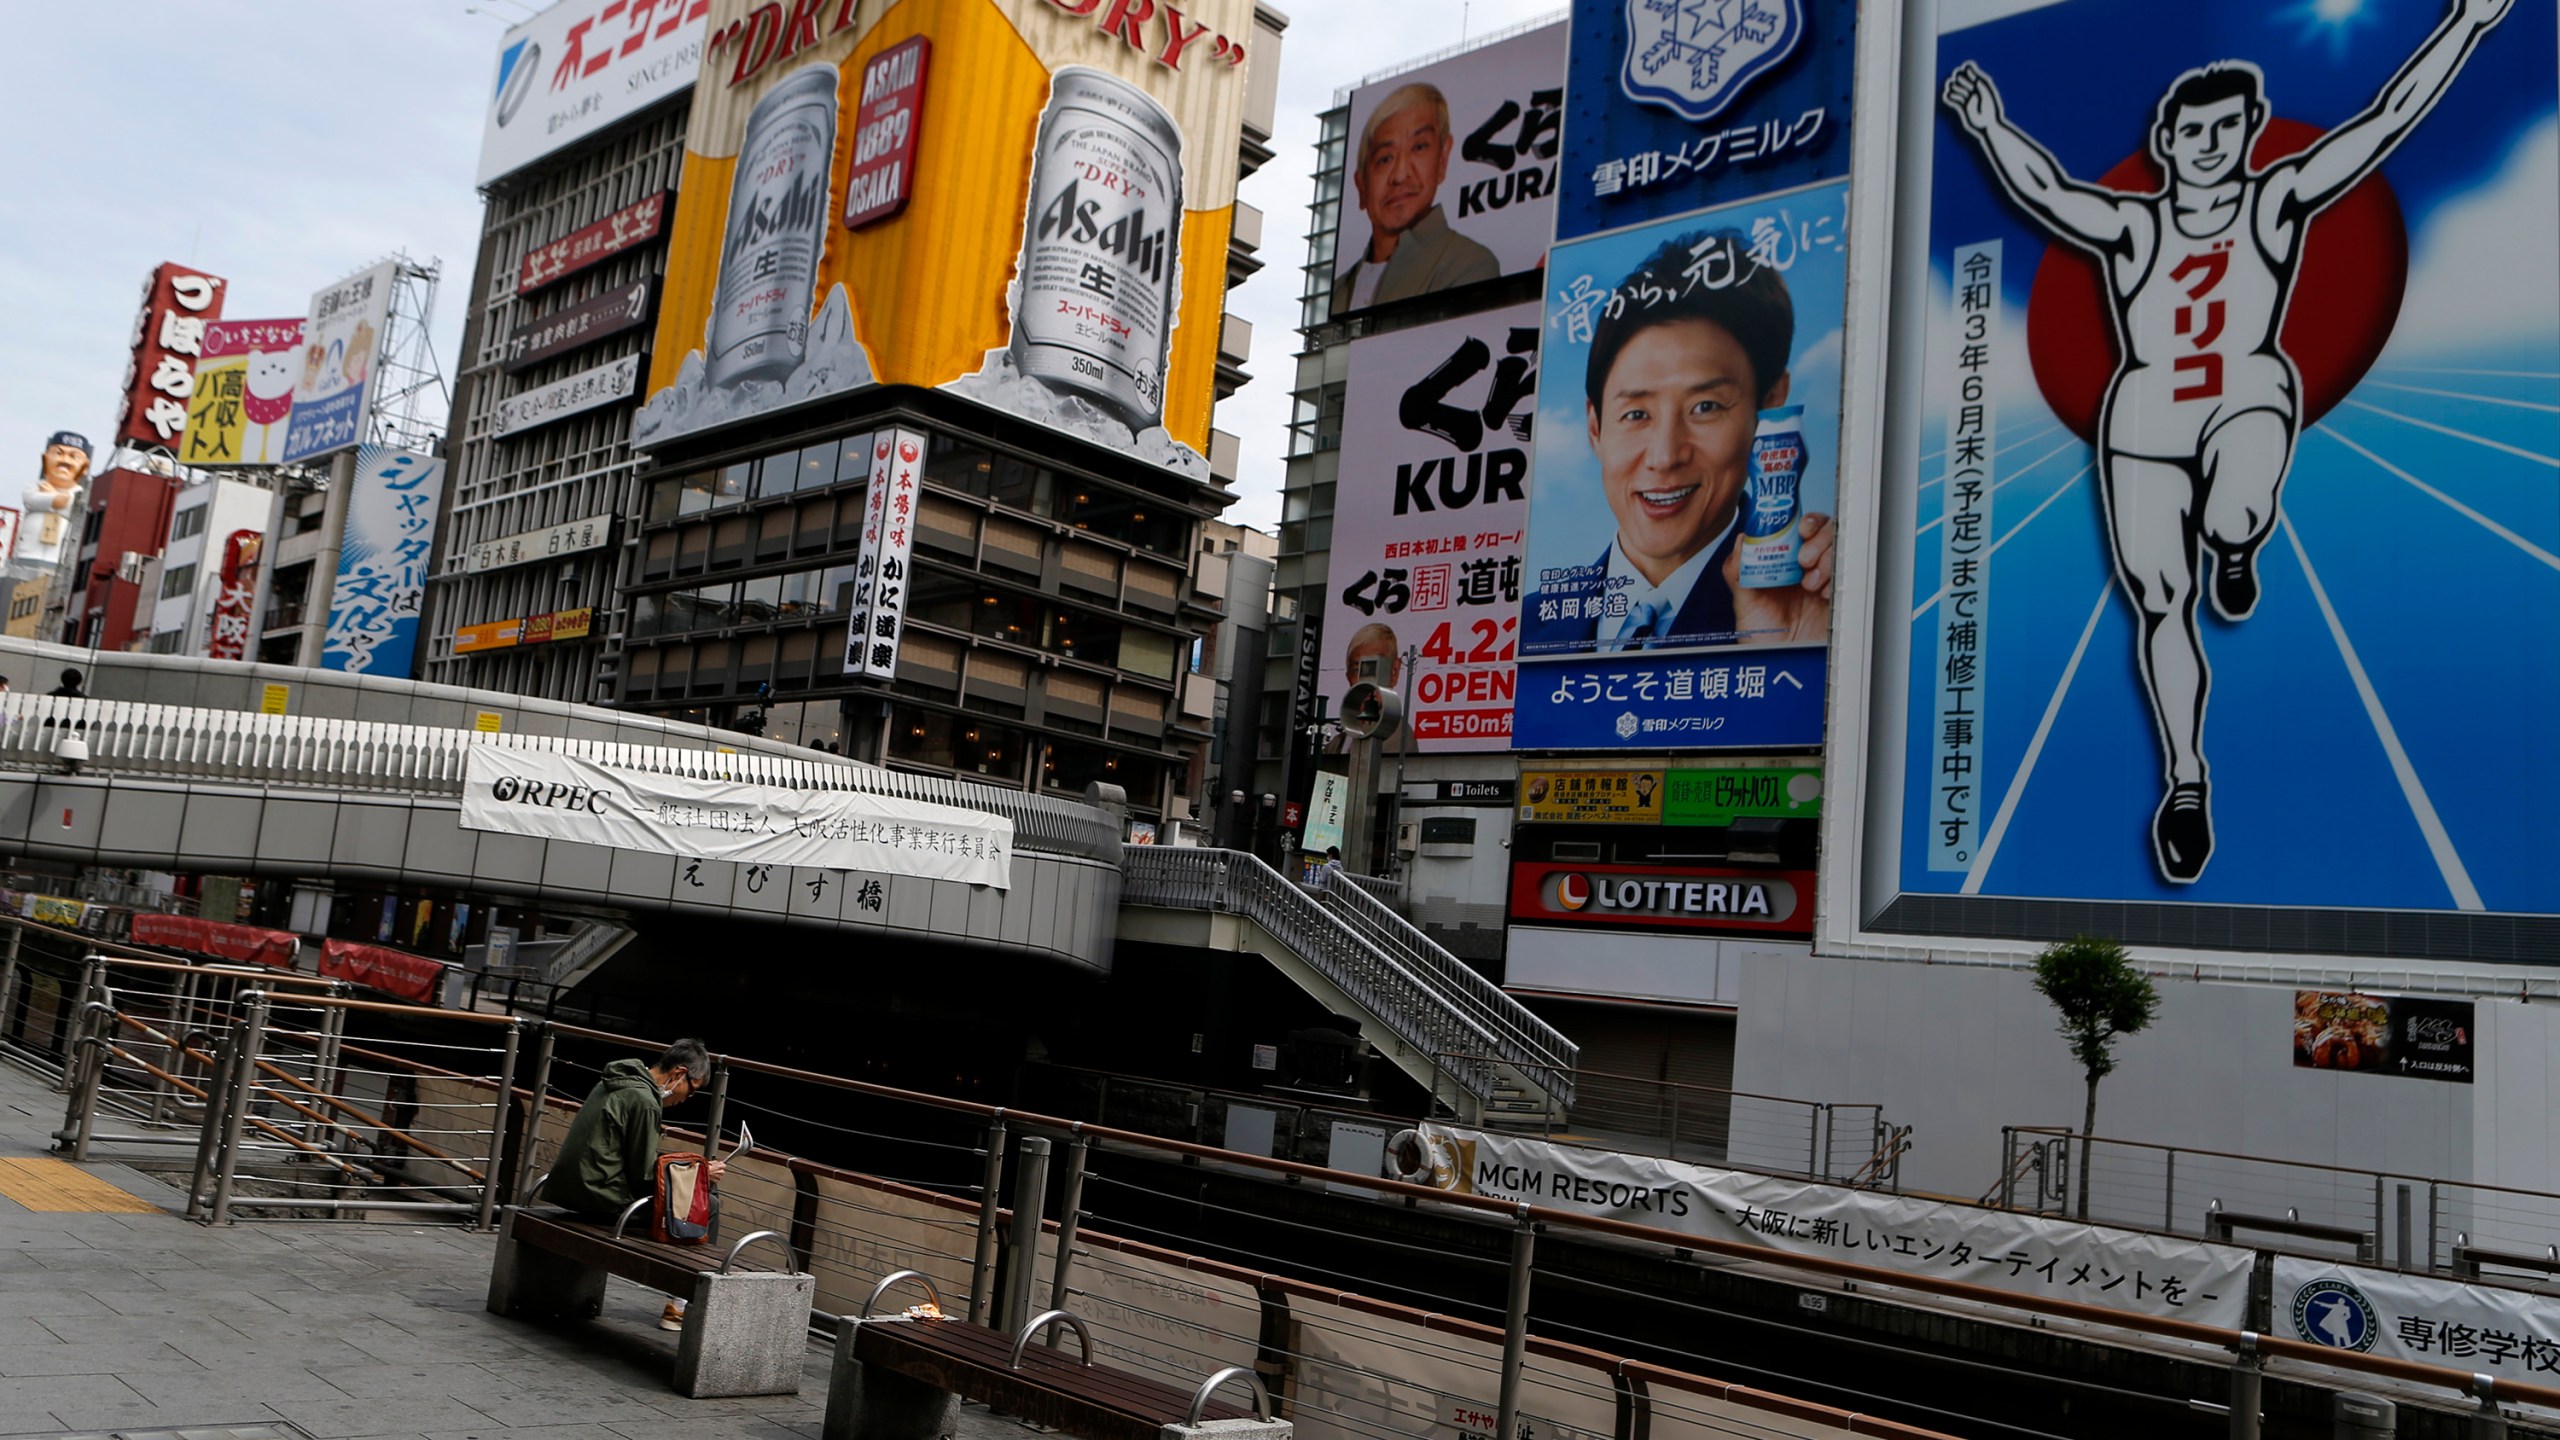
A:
{"x":2219,"y":1225}
{"x":2468,"y":1260}
{"x":745,"y":1330}
{"x":902,"y":1378}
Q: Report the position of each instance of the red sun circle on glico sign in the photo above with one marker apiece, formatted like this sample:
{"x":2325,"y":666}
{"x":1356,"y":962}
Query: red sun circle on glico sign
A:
{"x":2346,"y":294}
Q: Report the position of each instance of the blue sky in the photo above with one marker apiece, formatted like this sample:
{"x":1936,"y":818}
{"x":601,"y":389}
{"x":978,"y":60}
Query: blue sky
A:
{"x":285,"y":143}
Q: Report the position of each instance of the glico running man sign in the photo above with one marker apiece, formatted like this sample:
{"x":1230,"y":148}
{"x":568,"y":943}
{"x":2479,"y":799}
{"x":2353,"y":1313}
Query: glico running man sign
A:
{"x":2238,"y":357}
{"x":1063,"y":255}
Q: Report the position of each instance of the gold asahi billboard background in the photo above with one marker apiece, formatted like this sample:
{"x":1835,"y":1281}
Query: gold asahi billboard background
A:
{"x":928,"y":288}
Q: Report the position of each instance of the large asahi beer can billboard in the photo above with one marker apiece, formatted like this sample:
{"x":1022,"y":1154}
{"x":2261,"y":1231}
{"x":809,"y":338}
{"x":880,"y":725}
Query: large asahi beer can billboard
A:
{"x":1449,"y":176}
{"x":2225,"y":355}
{"x":583,"y":65}
{"x":1427,"y":522}
{"x":1062,"y":255}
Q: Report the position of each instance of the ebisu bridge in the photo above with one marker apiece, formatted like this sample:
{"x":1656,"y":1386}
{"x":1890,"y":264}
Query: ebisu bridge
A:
{"x":320,"y":778}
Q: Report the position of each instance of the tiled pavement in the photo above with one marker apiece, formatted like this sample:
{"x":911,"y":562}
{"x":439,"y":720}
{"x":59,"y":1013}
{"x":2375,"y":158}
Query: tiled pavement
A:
{"x":138,"y":1322}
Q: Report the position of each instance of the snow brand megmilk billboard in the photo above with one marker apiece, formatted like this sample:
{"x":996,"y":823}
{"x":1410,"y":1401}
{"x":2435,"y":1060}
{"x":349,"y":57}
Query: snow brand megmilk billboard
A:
{"x":1063,"y":257}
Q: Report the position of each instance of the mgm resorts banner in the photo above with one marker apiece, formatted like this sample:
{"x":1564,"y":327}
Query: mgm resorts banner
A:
{"x":560,"y":797}
{"x":1998,"y":1249}
{"x":2480,"y":1329}
{"x":1024,"y":202}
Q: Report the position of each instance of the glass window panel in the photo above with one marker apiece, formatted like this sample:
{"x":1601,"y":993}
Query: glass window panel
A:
{"x":817,"y":467}
{"x":795,"y":595}
{"x":663,"y":497}
{"x":853,"y":460}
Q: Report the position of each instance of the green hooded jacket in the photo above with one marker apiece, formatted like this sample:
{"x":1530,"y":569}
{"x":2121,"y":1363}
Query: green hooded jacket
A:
{"x":605,"y":1163}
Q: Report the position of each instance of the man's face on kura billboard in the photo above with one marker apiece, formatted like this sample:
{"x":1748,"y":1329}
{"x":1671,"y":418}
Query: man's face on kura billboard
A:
{"x":1403,"y":161}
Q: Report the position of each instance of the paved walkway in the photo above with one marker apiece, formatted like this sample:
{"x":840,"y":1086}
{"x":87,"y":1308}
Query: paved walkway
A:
{"x":141,"y":1321}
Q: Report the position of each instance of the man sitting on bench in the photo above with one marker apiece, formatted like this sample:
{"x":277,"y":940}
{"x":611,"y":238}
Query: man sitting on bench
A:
{"x":610,"y":1157}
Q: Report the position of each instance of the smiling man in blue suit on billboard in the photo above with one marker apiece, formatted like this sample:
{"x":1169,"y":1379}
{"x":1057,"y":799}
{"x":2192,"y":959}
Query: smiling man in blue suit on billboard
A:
{"x":1678,"y":375}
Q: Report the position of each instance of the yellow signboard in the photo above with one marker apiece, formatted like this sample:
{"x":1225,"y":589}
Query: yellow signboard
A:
{"x":493,"y":635}
{"x":487,"y":722}
{"x":1088,"y":154}
{"x":1586,"y":797}
{"x":272,"y":698}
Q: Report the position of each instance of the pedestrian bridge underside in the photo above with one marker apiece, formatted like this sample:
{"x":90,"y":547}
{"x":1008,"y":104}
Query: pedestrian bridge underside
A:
{"x":360,"y":779}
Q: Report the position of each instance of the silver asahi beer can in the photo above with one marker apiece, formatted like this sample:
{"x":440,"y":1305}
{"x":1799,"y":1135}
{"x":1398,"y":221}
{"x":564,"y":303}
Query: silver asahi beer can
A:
{"x":1101,"y":246}
{"x":777,"y":227}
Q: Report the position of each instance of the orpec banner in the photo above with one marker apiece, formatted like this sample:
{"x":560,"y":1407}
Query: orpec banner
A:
{"x":1060,"y":255}
{"x":2241,"y":357}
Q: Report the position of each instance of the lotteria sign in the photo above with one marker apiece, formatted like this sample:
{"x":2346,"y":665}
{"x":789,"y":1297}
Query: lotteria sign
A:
{"x":1662,"y":897}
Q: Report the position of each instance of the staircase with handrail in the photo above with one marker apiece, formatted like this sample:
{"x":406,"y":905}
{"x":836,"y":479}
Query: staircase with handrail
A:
{"x":1431,"y":1015}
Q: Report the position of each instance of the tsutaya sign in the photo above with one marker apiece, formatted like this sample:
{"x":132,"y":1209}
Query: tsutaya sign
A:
{"x":2023,"y":1254}
{"x":561,"y":797}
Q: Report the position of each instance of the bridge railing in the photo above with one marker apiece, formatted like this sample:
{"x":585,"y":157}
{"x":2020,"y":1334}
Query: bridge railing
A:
{"x":185,"y":743}
{"x":1428,"y":997}
{"x":2397,"y":1220}
{"x":959,"y":1164}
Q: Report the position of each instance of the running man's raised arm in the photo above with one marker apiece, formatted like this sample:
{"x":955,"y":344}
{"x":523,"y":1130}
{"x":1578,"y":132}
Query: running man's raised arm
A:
{"x":2350,"y":152}
{"x":2093,"y":217}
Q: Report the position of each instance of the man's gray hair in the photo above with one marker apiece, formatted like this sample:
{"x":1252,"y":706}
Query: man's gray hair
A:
{"x":1404,"y":97}
{"x":690,"y":1056}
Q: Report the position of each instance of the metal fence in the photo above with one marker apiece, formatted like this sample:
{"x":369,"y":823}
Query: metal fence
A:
{"x":273,"y":1100}
{"x":254,"y":1076}
{"x":1833,"y":1141}
{"x":184,"y":743}
{"x":2406,"y":1222}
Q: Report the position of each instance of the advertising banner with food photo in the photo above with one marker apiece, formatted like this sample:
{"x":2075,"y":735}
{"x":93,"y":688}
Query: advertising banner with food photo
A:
{"x":1061,"y":255}
{"x":1427,"y":522}
{"x":2141,"y":1274}
{"x":2409,"y":1035}
{"x":341,"y":340}
{"x":1451,"y":172}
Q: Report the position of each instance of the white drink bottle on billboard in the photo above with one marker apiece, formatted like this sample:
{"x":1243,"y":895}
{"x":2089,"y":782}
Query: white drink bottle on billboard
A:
{"x":1101,"y":241}
{"x":1773,"y":503}
{"x":778,"y":211}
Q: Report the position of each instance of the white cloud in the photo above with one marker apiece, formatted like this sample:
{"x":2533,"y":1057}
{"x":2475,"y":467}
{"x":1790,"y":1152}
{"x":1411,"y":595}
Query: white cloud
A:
{"x":2480,"y":274}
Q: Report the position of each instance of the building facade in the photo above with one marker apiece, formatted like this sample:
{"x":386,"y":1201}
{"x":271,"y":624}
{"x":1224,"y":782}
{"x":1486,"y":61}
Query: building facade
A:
{"x":208,"y":566}
{"x":543,"y":523}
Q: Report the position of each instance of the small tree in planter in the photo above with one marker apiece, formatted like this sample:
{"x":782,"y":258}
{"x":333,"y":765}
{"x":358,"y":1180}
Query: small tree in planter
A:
{"x":2100,"y":997}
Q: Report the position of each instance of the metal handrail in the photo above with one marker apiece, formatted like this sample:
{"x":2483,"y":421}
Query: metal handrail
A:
{"x":1022,"y":1341}
{"x":1410,"y":987}
{"x":188,"y":743}
{"x":1408,"y":1005}
{"x":1200,"y":1397}
{"x":1534,"y":1042}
